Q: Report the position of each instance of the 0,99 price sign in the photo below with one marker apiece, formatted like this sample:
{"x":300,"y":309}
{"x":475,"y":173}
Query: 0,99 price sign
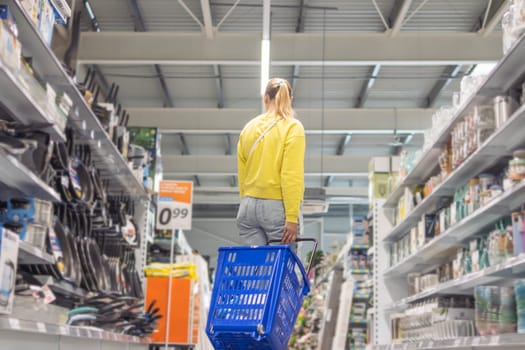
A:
{"x":174,"y":205}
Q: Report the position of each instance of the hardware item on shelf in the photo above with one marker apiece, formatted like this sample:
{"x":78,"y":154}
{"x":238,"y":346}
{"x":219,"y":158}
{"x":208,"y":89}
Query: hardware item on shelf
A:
{"x":8,"y":269}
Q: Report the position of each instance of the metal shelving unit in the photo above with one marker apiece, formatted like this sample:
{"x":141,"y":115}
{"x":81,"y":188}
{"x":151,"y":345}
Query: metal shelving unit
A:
{"x":89,"y":129}
{"x":14,"y":324}
{"x":22,"y":105}
{"x":499,"y":145}
{"x":490,"y":342}
{"x":500,"y":80}
{"x":390,"y":280}
{"x":21,"y":180}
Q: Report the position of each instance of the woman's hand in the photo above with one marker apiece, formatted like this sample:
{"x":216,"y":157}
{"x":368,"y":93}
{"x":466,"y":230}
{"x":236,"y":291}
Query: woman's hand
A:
{"x":290,"y":233}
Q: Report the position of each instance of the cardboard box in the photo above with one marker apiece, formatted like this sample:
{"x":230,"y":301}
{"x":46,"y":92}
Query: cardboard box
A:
{"x":10,"y":48}
{"x":46,"y":22}
{"x":8,"y":263}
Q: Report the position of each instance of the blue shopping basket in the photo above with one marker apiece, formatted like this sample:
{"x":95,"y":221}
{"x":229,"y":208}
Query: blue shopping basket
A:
{"x":257,"y":295}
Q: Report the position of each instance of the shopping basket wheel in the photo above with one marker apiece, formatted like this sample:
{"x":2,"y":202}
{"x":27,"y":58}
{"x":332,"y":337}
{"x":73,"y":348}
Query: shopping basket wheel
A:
{"x":260,"y":329}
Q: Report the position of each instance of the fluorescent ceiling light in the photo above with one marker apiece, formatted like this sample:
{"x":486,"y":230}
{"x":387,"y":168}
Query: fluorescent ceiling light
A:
{"x":265,"y":64}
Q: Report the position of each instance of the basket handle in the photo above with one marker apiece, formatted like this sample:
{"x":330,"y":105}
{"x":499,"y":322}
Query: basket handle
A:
{"x":302,"y":240}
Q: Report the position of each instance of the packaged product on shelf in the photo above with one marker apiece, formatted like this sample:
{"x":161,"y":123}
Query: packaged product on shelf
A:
{"x":513,"y":24}
{"x":517,"y":165}
{"x":504,"y":107}
{"x":8,"y":265}
{"x":62,"y":11}
{"x":495,"y":310}
{"x":430,"y":226}
{"x":32,"y":9}
{"x":8,"y":19}
{"x":46,"y":21}
{"x":414,"y":244}
{"x":10,"y":48}
{"x":518,"y":224}
{"x":519,"y":290}
{"x":413,"y":280}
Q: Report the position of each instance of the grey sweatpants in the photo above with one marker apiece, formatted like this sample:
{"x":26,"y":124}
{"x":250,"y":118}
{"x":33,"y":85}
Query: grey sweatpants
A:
{"x":261,"y":220}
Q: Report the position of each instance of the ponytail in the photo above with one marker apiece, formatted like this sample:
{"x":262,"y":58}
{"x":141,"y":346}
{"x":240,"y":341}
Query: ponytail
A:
{"x":280,"y":92}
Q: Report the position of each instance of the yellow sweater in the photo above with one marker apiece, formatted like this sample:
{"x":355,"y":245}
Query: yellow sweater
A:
{"x":275,"y":169}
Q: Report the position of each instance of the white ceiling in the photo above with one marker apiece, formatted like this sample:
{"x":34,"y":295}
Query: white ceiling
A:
{"x":325,"y":87}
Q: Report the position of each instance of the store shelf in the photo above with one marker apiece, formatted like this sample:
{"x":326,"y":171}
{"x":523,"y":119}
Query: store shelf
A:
{"x":29,"y":254}
{"x":89,"y":130}
{"x":14,"y":324}
{"x":512,"y":268}
{"x":452,"y":237}
{"x":501,"y":144}
{"x":21,"y":180}
{"x":498,"y":82}
{"x":22,"y":106}
{"x":432,"y":253}
{"x":489,"y":342}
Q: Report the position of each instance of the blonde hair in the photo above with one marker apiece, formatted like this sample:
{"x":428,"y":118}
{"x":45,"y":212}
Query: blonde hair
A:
{"x":279,"y":91}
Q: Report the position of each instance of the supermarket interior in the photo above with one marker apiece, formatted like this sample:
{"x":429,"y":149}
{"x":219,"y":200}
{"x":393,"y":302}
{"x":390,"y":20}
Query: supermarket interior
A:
{"x":262,"y":175}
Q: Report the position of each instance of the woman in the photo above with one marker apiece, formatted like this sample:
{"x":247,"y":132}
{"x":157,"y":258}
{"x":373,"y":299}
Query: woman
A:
{"x":270,"y":157}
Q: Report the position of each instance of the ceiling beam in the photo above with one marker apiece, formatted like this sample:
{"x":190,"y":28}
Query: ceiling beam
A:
{"x":232,"y":120}
{"x":219,"y":85}
{"x":140,"y":26}
{"x":228,"y":140}
{"x":126,"y":48}
{"x":450,"y":73}
{"x":227,"y":165}
{"x":367,"y":86}
{"x":208,"y":21}
{"x":399,"y":12}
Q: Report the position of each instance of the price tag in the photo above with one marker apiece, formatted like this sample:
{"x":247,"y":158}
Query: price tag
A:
{"x":63,"y":330}
{"x":494,"y":340}
{"x":457,"y":342}
{"x":14,"y":323}
{"x":476,"y":341}
{"x":174,"y":207}
{"x":41,"y":327}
